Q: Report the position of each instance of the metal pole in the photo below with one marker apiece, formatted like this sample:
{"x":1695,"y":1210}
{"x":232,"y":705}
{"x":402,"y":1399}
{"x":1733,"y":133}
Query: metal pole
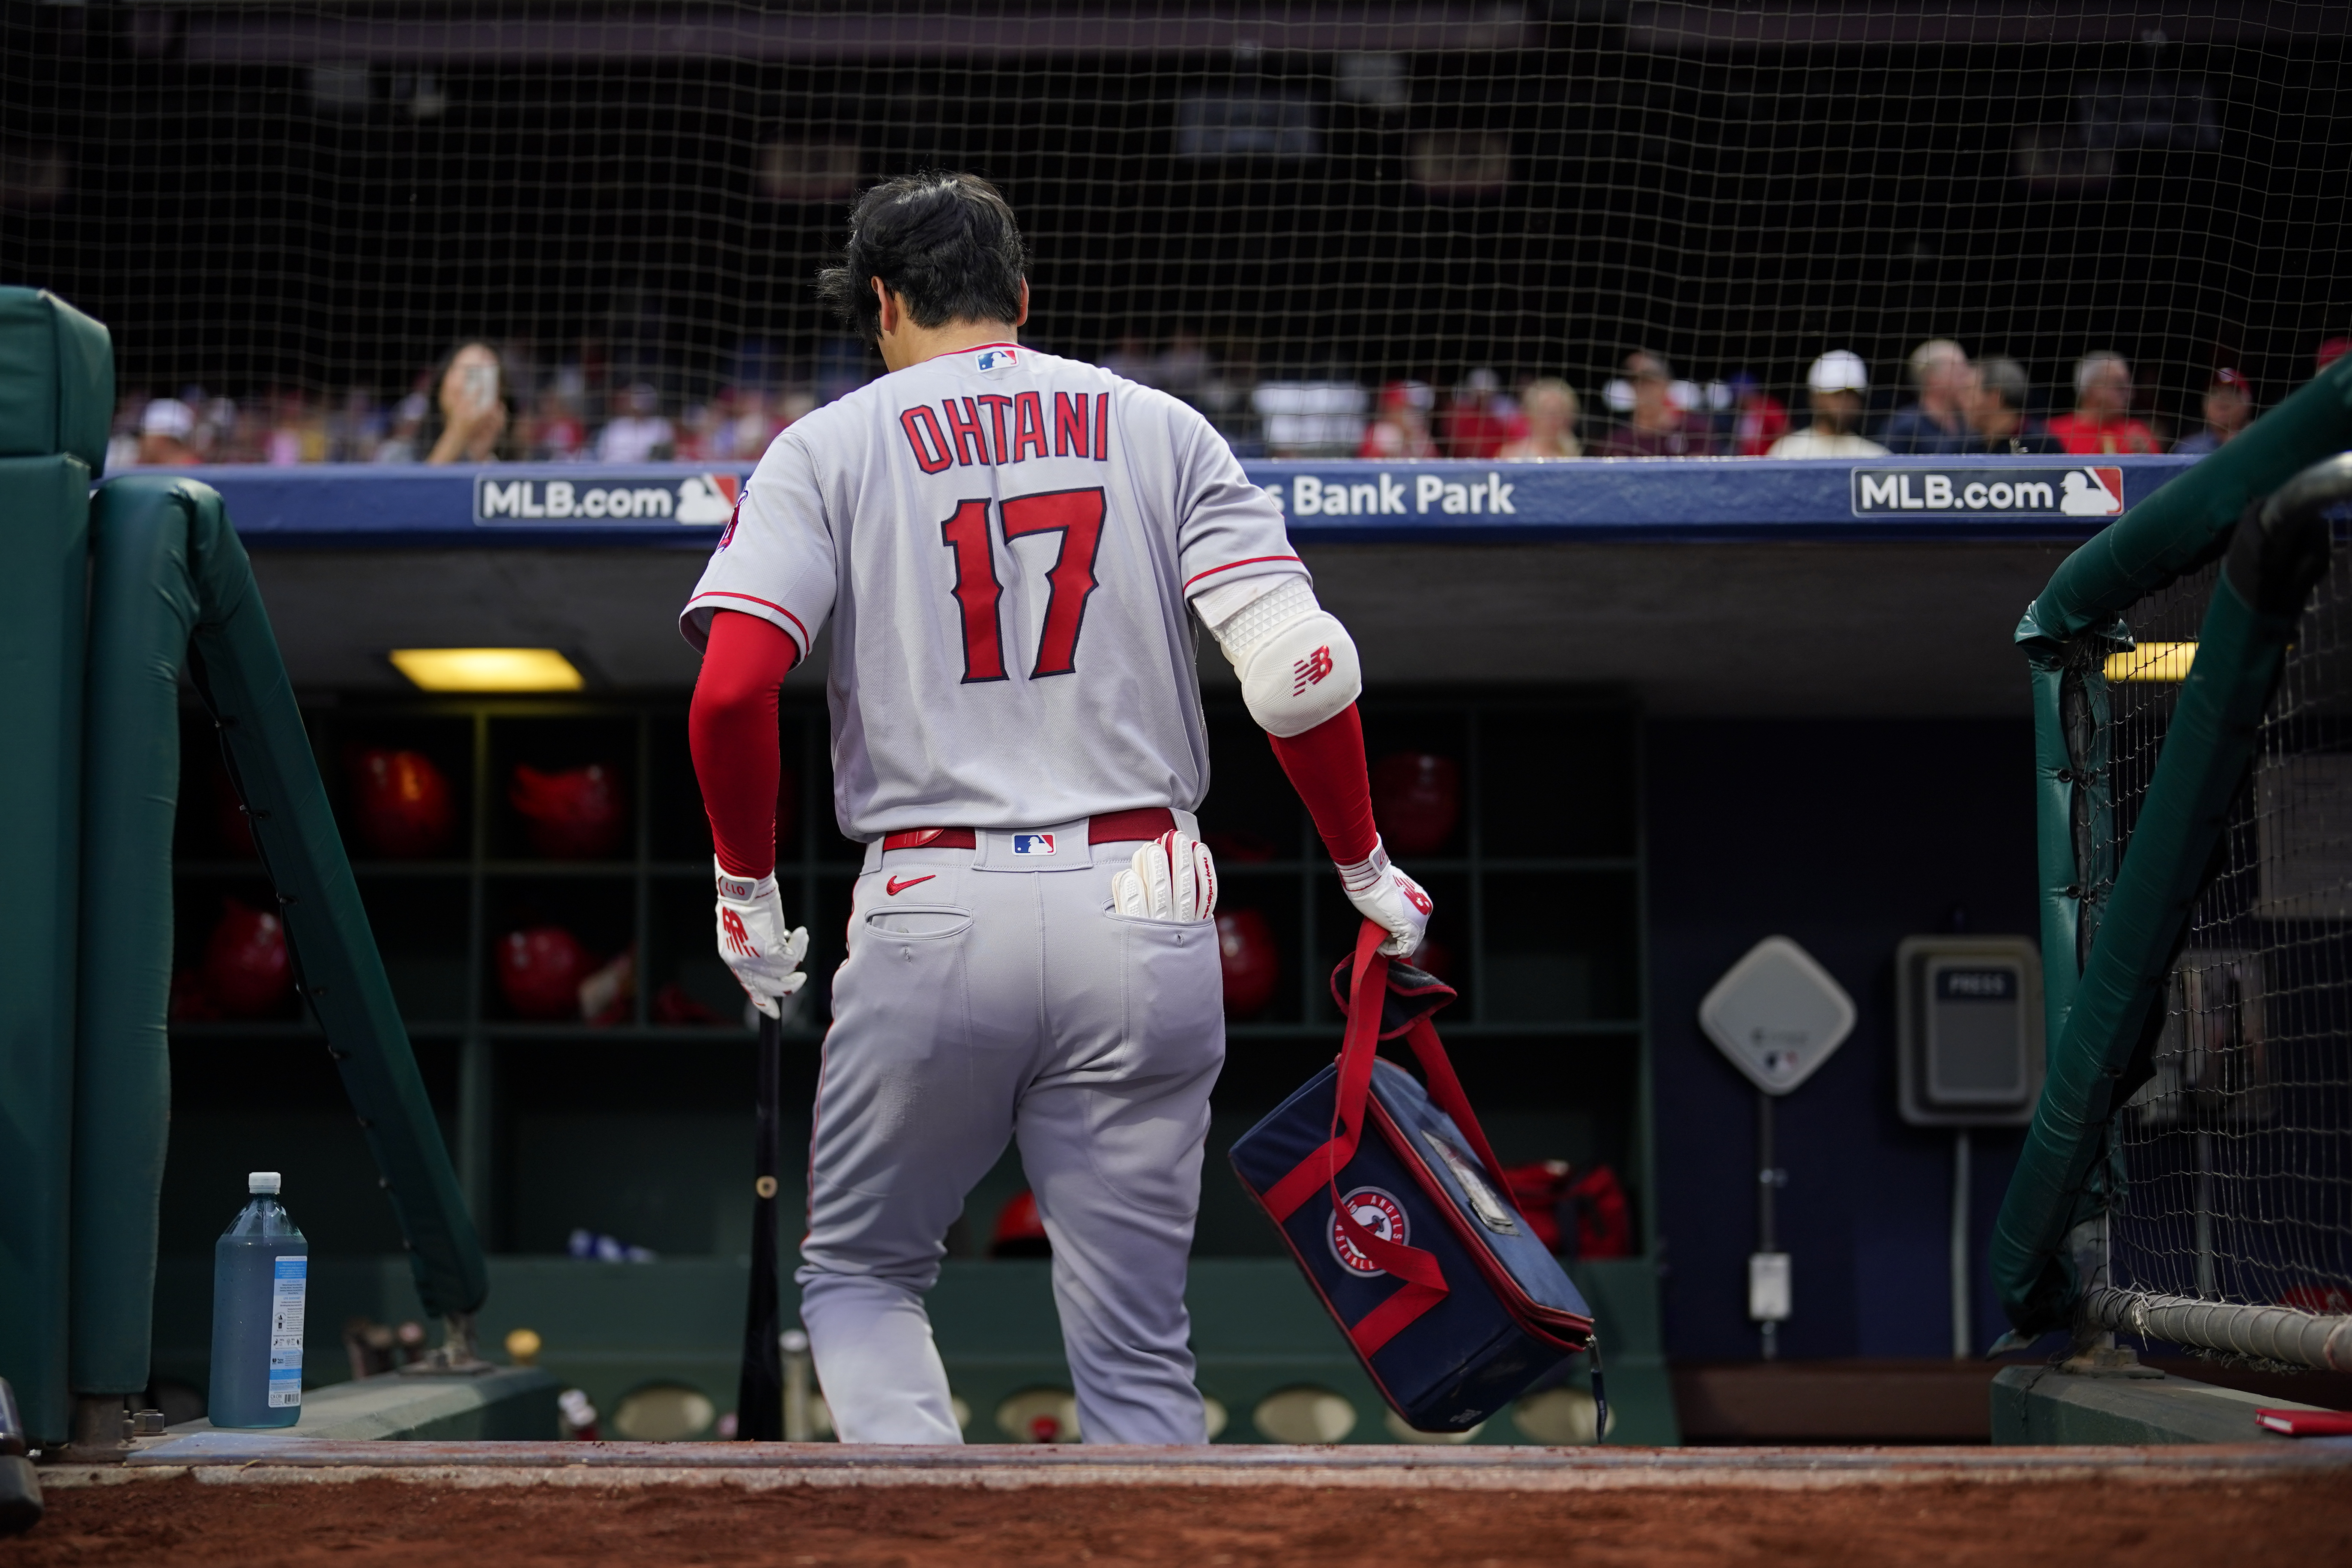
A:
{"x":2322,"y":1342}
{"x":1963,"y":1330}
{"x":2204,"y":1219}
{"x":1767,"y":1178}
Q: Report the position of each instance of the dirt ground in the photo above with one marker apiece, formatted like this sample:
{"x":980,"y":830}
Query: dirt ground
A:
{"x":2074,"y":1523}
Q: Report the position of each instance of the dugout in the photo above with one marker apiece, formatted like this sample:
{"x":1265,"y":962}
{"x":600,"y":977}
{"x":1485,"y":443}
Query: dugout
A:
{"x":1714,"y":700}
{"x":1666,"y":745}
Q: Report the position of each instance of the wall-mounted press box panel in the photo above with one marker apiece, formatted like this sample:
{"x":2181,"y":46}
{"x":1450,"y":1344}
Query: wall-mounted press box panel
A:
{"x":1969,"y":1039}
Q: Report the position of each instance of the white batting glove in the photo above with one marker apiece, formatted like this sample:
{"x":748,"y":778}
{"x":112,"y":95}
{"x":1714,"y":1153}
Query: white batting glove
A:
{"x":1389,"y":899}
{"x":754,"y":941}
{"x":1173,"y":879}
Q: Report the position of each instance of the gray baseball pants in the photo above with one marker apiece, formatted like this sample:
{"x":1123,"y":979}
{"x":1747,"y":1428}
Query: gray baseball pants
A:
{"x":993,"y":996}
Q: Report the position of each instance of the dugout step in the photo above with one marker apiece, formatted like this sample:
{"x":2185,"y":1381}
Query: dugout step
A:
{"x":249,"y":1457}
{"x":503,"y":1404}
{"x":2050,"y":1405}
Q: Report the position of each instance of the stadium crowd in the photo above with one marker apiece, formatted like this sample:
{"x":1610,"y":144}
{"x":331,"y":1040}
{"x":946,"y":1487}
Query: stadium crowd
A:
{"x":480,"y":405}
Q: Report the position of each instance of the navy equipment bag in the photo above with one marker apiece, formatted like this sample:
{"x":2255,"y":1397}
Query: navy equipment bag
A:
{"x":1395,"y":1208}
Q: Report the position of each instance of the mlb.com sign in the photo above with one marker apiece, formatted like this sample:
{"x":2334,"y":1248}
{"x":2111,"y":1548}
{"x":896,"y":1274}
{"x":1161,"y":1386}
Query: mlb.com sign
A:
{"x":689,"y":499}
{"x":2007,"y":490}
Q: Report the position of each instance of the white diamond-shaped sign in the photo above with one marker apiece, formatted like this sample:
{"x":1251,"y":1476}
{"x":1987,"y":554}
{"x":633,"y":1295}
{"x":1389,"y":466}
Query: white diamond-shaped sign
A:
{"x":1776,"y":1014}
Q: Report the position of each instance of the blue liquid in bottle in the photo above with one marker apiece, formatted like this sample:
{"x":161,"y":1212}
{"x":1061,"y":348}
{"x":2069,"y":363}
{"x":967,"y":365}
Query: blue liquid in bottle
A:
{"x":261,"y":1269}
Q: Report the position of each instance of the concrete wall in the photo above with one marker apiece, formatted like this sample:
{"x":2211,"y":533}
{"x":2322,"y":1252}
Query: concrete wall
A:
{"x":1846,"y":836}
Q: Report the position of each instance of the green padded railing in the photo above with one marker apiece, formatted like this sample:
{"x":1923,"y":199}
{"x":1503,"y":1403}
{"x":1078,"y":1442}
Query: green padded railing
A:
{"x":2104,"y":966}
{"x":173,"y":587}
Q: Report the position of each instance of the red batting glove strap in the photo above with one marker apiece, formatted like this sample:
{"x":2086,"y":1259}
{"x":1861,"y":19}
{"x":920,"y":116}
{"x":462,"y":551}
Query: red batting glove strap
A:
{"x":1326,"y":765}
{"x":733,"y":731}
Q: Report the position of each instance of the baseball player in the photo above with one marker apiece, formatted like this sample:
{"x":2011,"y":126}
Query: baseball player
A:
{"x":1011,"y":548}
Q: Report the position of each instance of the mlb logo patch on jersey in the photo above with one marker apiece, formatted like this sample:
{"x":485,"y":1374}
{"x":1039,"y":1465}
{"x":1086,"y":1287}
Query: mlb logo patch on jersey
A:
{"x":996,"y":360}
{"x":1032,"y":844}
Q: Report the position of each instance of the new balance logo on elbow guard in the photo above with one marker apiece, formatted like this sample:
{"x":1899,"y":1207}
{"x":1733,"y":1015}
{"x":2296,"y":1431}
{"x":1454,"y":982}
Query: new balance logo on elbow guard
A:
{"x":1310,"y":670}
{"x":1386,"y":495}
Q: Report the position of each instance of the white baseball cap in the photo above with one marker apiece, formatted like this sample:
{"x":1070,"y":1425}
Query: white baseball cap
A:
{"x":167,"y":416}
{"x":1839,"y":371}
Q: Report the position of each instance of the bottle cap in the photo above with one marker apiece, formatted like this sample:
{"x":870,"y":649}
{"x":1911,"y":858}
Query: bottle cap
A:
{"x":262,"y":1182}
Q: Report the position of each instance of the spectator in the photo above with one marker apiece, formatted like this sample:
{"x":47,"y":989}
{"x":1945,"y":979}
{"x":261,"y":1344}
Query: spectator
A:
{"x":557,"y":434}
{"x":1478,"y":421}
{"x":2228,"y":407}
{"x":1656,"y":428}
{"x":403,"y":442}
{"x":164,"y":431}
{"x":122,"y":442}
{"x":697,"y":433}
{"x":2102,"y":421}
{"x":1399,"y":433}
{"x":1837,"y":382}
{"x":1757,"y":418}
{"x":1937,"y":421}
{"x":641,"y":434}
{"x":221,"y":434}
{"x":1550,"y":410}
{"x":1132,"y":361}
{"x":354,"y":430}
{"x":1997,"y":418}
{"x":1184,"y":369}
{"x":298,"y":431}
{"x":472,"y":392}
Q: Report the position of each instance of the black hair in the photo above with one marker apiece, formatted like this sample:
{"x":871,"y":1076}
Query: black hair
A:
{"x":947,"y":243}
{"x":2005,"y":379}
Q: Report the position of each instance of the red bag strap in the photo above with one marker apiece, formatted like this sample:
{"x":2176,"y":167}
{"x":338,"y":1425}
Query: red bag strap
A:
{"x":1445,"y":1093}
{"x":1357,"y":1048}
{"x":1423,"y":1281}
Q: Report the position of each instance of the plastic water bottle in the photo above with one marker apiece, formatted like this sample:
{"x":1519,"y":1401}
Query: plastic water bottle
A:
{"x":261,"y":1267}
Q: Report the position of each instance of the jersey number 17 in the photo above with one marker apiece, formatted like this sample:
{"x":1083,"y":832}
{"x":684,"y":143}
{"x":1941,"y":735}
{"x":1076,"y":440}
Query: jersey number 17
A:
{"x":1077,"y":517}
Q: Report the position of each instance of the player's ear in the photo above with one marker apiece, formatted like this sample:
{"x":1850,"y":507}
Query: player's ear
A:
{"x":888,"y":320}
{"x":1023,"y":318}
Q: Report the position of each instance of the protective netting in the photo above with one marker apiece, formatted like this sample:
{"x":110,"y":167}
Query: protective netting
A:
{"x":2236,"y":1158}
{"x":293,"y":212}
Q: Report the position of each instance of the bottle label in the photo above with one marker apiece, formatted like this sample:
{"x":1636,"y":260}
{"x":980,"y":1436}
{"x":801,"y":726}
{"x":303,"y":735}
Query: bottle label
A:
{"x":286,"y":1331}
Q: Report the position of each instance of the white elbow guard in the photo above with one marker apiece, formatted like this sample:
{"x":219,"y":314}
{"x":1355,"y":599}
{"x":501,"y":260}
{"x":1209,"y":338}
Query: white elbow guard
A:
{"x":1297,"y":664}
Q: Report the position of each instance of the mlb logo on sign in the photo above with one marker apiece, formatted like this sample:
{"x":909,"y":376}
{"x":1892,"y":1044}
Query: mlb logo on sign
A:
{"x":2092,"y":492}
{"x":1987,"y":489}
{"x":1032,"y":844}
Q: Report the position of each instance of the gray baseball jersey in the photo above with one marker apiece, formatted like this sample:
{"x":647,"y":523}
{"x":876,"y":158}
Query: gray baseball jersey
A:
{"x":1007,"y":542}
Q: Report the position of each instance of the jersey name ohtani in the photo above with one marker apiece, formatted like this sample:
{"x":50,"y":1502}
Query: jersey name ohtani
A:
{"x":1017,"y":420}
{"x":1003,"y":544}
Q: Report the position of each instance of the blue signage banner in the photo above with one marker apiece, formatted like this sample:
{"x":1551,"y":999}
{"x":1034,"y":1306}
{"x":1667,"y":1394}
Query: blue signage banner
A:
{"x":685,"y":506}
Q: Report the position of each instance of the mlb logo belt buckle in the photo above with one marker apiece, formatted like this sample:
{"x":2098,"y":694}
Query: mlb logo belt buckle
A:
{"x":1061,"y":846}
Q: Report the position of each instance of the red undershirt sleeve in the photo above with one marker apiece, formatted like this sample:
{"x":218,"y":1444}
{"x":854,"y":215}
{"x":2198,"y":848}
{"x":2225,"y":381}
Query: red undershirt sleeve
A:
{"x":1326,"y":765}
{"x":731,"y":730}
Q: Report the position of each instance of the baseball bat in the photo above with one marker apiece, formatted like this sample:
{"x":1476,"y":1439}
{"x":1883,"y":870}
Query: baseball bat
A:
{"x":760,"y":1395}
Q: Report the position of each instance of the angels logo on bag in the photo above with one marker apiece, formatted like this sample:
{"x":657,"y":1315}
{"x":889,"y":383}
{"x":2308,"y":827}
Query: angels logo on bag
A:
{"x":1376,"y":1212}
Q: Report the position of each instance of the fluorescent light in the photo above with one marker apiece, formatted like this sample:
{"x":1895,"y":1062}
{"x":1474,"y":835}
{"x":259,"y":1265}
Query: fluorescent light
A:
{"x":486,"y":668}
{"x":2153,"y":661}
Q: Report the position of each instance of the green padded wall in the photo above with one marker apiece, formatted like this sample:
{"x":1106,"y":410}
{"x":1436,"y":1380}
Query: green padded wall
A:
{"x":44,"y":533}
{"x":56,"y":380}
{"x":57,"y":395}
